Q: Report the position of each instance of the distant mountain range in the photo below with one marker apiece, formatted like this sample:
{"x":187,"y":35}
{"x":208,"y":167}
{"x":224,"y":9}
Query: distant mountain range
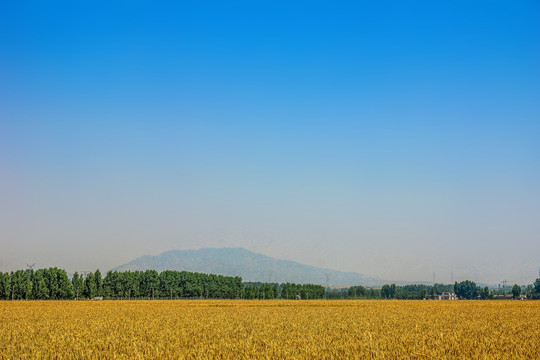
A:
{"x":250,"y":266}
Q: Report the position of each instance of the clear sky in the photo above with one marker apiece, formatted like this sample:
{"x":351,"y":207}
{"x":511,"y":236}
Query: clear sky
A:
{"x":391,"y":138}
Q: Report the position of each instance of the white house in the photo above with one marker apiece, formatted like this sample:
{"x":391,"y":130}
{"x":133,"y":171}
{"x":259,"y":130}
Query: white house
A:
{"x":446,"y":296}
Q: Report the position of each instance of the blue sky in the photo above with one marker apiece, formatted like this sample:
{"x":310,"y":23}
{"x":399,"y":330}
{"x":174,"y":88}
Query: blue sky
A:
{"x":386,"y":137}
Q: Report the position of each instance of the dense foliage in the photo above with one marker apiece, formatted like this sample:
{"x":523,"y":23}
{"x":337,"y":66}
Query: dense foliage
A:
{"x":43,"y":284}
{"x":304,"y":291}
{"x":170,"y":284}
{"x":54,"y":284}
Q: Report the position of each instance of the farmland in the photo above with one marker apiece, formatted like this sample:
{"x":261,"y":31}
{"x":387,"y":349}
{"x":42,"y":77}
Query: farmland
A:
{"x":272,"y":329}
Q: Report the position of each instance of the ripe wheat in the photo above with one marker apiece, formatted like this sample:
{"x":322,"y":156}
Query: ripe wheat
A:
{"x":270,"y":329}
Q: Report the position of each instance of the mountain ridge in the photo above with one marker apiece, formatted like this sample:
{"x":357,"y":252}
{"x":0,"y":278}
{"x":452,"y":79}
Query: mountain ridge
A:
{"x":249,"y":265}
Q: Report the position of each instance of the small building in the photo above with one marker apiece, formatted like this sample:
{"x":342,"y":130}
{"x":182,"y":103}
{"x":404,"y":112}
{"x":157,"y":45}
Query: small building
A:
{"x":446,"y":296}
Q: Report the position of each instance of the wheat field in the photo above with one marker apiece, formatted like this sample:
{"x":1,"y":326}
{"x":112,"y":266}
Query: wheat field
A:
{"x":270,"y":329}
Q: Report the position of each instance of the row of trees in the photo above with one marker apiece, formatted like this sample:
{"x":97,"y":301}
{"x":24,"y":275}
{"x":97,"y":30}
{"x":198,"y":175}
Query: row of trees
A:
{"x":258,"y":290}
{"x":469,"y":290}
{"x":150,"y":284}
{"x":54,"y":284}
{"x":361,"y":292}
{"x":414,"y":291}
{"x":531,"y":291}
{"x":304,"y":291}
{"x":465,"y":290}
{"x":390,"y":291}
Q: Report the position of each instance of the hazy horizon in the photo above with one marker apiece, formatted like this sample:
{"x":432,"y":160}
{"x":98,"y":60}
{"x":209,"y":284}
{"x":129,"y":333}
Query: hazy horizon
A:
{"x":394,"y":140}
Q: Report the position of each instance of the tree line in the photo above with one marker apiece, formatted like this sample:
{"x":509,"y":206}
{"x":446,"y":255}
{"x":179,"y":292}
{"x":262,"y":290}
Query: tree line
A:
{"x":464,"y":290}
{"x":414,"y":291}
{"x":390,"y":291}
{"x":54,"y":284}
{"x":291,"y":291}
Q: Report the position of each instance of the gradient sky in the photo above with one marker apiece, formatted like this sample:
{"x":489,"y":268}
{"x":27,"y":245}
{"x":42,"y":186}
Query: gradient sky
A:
{"x":391,"y":138}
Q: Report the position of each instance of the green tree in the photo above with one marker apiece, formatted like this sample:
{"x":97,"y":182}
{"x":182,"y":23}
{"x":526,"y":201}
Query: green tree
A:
{"x":516,"y":291}
{"x":78,"y":285}
{"x":65,"y":287}
{"x":99,"y":283}
{"x":168,"y":284}
{"x":5,"y":286}
{"x":21,"y":285}
{"x":90,"y":289}
{"x":51,"y":282}
{"x":39,"y":288}
{"x":536,"y":289}
{"x":432,"y":292}
{"x":466,"y":289}
{"x":388,"y":291}
{"x":529,"y":291}
{"x":485,"y":293}
{"x":112,"y":286}
{"x":149,"y":285}
{"x":357,"y":292}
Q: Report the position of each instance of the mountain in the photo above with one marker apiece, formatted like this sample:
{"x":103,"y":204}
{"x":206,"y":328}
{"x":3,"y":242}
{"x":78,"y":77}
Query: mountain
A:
{"x":250,"y":266}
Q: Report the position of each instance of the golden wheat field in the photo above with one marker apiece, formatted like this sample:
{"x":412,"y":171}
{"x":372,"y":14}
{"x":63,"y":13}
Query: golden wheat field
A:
{"x":270,"y":329}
